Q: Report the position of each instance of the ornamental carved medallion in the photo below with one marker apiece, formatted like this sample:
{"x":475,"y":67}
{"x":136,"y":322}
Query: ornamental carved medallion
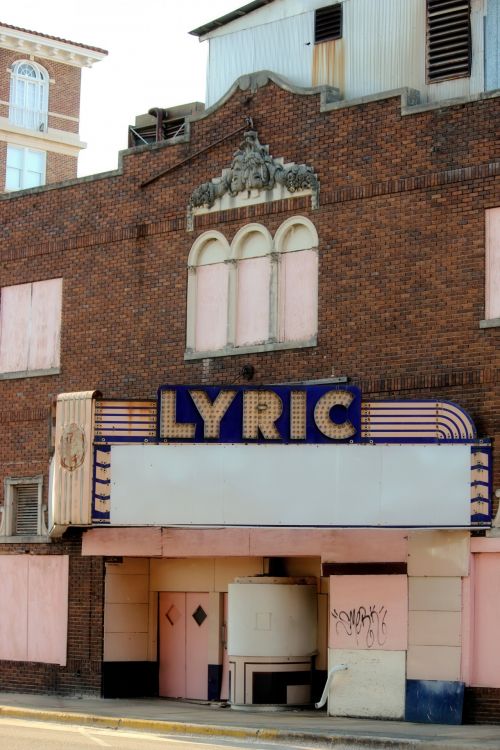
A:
{"x":72,"y":447}
{"x":254,"y":170}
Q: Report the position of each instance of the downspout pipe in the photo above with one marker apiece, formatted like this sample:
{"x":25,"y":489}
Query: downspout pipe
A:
{"x":326,"y":689}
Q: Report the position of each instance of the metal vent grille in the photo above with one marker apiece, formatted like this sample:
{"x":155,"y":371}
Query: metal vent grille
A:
{"x":448,"y":39}
{"x":328,"y":23}
{"x":26,"y":509}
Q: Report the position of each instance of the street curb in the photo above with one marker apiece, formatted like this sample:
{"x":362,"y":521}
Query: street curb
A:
{"x":243,"y":733}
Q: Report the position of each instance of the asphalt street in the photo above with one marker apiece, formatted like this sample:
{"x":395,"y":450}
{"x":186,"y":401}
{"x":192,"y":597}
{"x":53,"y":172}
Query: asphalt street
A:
{"x":17,"y":734}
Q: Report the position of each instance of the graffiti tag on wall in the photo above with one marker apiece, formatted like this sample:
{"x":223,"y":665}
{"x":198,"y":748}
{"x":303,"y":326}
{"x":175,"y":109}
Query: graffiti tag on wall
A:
{"x":365,"y":625}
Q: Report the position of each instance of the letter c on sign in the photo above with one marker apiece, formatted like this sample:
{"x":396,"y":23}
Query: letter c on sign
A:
{"x":323,"y":420}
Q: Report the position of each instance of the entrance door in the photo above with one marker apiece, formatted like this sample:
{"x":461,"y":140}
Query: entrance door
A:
{"x":183,"y":632}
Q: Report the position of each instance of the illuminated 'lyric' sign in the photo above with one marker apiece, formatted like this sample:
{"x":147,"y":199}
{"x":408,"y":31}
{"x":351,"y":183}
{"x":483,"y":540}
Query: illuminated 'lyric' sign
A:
{"x":236,"y":414}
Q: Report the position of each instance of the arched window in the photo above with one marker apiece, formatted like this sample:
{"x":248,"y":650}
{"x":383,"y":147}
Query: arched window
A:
{"x":251,"y":249}
{"x":208,"y":290}
{"x":296,"y":242}
{"x":257,"y":294}
{"x":28,"y":103}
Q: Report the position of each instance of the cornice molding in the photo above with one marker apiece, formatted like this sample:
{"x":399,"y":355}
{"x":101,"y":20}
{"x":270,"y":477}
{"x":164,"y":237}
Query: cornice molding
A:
{"x":27,"y":43}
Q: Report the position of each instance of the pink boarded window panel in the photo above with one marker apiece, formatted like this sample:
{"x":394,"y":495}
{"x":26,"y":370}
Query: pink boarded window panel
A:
{"x":45,"y":325}
{"x":48,"y":608}
{"x":493,"y":263}
{"x":252,"y":318}
{"x":13,"y":610}
{"x":211,"y":307}
{"x":34,"y":611}
{"x":298,"y":293}
{"x":30,"y":326}
{"x":15,"y":313}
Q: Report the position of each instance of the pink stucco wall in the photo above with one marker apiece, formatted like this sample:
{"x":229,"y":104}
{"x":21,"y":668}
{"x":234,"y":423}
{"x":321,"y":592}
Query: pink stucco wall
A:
{"x":486,"y":643}
{"x":211,"y":307}
{"x":34,"y":609}
{"x":369,"y":612}
{"x":493,"y":263}
{"x":363,"y":545}
{"x":252,"y":315}
{"x":128,"y":542}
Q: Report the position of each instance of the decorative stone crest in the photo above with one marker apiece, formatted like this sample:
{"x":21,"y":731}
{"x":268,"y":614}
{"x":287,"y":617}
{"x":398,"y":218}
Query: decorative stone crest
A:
{"x":72,"y":447}
{"x":253,"y":171}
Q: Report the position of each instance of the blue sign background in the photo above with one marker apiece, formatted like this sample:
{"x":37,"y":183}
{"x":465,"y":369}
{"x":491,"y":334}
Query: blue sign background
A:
{"x":231,"y":427}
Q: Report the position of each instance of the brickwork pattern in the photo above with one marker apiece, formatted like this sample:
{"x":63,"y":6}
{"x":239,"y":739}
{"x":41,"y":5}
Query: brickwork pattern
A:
{"x":60,"y":167}
{"x":401,"y":264}
{"x":481,"y":706}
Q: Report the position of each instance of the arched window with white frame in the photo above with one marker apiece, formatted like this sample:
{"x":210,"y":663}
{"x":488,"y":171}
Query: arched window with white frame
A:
{"x":251,"y":248}
{"x":296,"y":242}
{"x":29,"y":95}
{"x":208,"y":293}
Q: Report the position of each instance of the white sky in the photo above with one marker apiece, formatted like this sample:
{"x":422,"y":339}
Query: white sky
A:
{"x":152,"y":60}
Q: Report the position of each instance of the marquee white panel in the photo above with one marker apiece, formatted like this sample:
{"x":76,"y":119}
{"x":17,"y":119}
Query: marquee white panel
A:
{"x":290,"y":485}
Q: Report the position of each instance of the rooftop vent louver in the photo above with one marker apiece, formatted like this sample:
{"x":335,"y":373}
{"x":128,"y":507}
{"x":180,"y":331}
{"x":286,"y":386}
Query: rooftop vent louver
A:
{"x":26,"y":509}
{"x":328,"y":23}
{"x":448,"y":39}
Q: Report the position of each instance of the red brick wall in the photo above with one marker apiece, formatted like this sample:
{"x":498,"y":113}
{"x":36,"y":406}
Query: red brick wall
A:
{"x":401,"y":285}
{"x":60,"y":167}
{"x":64,"y":87}
{"x":481,"y":706}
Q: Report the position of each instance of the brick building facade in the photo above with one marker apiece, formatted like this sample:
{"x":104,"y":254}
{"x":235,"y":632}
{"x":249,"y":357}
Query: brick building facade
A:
{"x":40,"y":107}
{"x":404,"y":198}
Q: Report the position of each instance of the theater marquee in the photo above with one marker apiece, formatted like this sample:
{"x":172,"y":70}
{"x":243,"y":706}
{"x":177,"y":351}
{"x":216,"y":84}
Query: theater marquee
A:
{"x":288,"y":455}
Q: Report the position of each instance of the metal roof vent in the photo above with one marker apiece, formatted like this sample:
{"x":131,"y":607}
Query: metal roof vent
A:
{"x":448,"y":39}
{"x":328,"y":23}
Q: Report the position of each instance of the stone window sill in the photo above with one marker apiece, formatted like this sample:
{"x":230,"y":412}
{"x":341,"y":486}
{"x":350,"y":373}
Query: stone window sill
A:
{"x":29,"y":373}
{"x":231,"y":351}
{"x":26,"y":539}
{"x":490,"y":323}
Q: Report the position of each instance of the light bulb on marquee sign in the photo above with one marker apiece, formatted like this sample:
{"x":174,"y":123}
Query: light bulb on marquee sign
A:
{"x":235,"y":414}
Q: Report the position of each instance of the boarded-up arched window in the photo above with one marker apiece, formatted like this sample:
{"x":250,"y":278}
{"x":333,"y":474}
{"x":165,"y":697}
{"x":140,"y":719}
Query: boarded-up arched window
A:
{"x":297,"y":244}
{"x":208,"y":293}
{"x":251,"y":248}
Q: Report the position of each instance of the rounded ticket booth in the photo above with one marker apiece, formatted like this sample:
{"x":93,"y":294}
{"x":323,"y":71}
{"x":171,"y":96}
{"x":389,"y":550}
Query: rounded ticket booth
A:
{"x":272,"y":639}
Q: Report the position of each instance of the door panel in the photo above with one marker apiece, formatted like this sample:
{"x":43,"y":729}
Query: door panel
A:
{"x":172,"y":633}
{"x":183,"y":632}
{"x":197,"y":646}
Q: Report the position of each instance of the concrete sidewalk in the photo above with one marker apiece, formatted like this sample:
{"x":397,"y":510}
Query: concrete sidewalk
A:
{"x":285,"y":727}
